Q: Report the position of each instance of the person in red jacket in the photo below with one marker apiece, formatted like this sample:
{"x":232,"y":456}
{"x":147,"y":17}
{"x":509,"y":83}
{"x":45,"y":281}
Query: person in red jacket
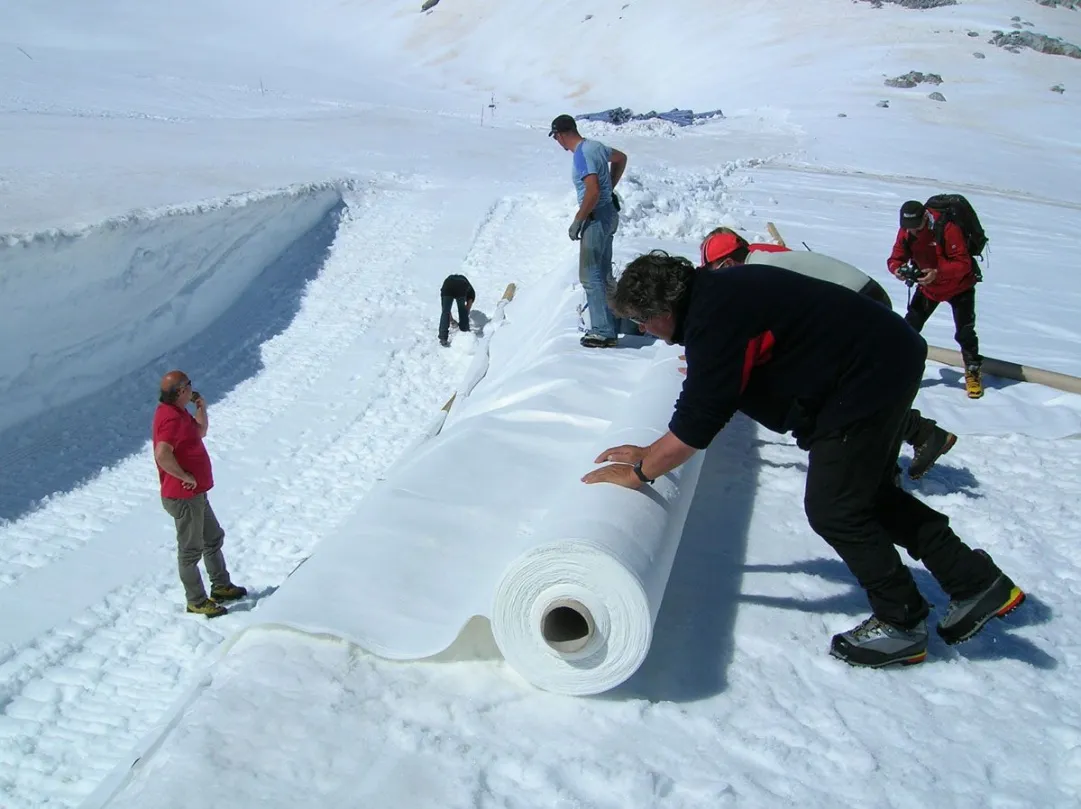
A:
{"x":186,"y":476}
{"x":946,"y":275}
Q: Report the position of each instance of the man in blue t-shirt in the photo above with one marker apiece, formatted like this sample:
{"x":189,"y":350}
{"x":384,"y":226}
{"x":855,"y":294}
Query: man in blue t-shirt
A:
{"x":594,"y":223}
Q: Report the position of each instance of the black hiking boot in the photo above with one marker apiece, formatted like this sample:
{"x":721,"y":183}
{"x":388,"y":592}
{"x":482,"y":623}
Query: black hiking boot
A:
{"x":874,"y":643}
{"x":592,"y":340}
{"x":938,"y":443}
{"x":967,"y":616}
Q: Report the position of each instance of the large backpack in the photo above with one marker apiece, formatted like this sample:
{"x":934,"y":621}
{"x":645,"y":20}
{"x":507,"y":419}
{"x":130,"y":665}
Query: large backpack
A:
{"x":955,"y":208}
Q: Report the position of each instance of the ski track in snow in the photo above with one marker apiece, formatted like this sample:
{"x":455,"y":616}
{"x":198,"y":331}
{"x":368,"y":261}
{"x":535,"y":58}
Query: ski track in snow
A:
{"x":102,"y":679}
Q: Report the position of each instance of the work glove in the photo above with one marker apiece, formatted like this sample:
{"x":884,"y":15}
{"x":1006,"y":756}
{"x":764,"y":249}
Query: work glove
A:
{"x":576,"y":228}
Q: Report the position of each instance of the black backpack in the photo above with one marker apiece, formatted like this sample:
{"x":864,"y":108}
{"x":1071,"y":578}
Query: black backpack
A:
{"x":955,"y":208}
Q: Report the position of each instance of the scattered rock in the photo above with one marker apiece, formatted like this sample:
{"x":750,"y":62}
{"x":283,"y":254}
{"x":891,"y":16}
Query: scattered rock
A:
{"x":1058,"y":88}
{"x":973,"y":33}
{"x":622,"y":115}
{"x":979,"y":55}
{"x":843,"y":115}
{"x":588,"y":17}
{"x":936,"y":96}
{"x":883,"y":103}
{"x":1074,"y":4}
{"x":914,"y":77}
{"x":920,"y":4}
{"x":1015,"y":40}
{"x":429,"y":4}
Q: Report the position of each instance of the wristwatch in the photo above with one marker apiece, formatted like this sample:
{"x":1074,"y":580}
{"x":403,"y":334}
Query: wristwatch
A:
{"x":641,"y":475}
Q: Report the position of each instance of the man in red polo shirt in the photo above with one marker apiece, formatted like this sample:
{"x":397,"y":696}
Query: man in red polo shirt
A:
{"x":186,"y":476}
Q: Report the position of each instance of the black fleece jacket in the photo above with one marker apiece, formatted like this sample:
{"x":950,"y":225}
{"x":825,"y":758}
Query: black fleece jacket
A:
{"x":796,"y":354}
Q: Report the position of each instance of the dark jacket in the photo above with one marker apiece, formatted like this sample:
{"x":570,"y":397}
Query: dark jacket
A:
{"x":950,"y":259}
{"x":796,"y":354}
{"x":457,"y":286}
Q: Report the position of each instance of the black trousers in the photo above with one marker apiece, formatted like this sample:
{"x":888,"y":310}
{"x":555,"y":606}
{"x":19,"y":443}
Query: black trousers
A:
{"x":915,"y":428}
{"x":444,"y":318}
{"x":851,"y":502}
{"x":964,"y":321}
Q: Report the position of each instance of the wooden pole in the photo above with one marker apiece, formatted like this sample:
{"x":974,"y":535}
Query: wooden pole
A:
{"x":1009,"y":370}
{"x":999,"y":368}
{"x":776,"y":236}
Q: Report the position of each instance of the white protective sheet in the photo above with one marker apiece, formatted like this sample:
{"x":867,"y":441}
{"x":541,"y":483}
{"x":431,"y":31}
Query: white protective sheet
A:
{"x":478,"y":521}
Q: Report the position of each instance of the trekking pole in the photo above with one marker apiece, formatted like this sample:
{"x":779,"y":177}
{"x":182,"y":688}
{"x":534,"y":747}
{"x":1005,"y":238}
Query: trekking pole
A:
{"x":809,"y":250}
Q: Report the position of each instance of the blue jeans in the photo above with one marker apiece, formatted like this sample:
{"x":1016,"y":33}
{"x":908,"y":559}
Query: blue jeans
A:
{"x":444,"y":318}
{"x":595,"y":269}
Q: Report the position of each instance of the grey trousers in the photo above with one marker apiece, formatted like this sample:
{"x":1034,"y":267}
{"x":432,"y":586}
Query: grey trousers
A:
{"x":198,"y":535}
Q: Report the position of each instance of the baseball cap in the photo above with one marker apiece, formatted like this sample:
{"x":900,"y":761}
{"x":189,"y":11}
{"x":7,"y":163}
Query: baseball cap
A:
{"x":912,"y":214}
{"x":562,"y":123}
{"x":718,"y":245}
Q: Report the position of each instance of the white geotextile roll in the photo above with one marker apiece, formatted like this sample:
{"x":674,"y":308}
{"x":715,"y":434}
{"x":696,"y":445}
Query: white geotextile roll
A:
{"x":574,"y":614}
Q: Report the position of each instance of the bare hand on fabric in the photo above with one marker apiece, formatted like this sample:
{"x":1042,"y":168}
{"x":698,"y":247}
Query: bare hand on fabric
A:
{"x":683,"y":368}
{"x":620,"y":474}
{"x":619,"y":470}
{"x":624,"y":453}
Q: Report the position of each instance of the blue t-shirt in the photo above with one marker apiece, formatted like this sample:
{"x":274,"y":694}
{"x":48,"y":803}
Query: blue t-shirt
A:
{"x":591,"y":157}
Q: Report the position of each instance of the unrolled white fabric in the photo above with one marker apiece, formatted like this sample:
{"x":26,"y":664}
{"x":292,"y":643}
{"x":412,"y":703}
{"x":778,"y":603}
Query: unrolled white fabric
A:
{"x":490,"y":517}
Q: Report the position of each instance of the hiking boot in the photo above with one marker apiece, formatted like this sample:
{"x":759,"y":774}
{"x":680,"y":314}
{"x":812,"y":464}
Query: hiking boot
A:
{"x":227,"y":592}
{"x":207,"y":607}
{"x":443,"y":341}
{"x":973,"y":382}
{"x":592,"y":340}
{"x":875,"y":643}
{"x":967,"y":616}
{"x":938,"y":443}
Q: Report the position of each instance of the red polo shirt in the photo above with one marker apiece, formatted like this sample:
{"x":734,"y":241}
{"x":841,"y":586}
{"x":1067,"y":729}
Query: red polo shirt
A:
{"x":178,"y":428}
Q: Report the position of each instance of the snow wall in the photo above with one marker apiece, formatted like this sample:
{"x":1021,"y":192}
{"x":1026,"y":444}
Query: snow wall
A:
{"x":171,"y":272}
{"x":100,"y":313}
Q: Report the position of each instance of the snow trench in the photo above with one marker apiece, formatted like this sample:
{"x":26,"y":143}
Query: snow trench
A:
{"x":90,"y":319}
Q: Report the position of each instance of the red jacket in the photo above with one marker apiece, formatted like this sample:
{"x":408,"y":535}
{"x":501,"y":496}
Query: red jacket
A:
{"x":951,"y":259}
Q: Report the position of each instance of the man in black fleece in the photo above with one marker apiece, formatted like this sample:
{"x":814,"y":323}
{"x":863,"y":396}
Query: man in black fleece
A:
{"x":839,"y":372}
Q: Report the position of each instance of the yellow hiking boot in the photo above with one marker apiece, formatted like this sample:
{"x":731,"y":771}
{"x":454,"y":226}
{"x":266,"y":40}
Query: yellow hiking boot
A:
{"x":227,"y":592}
{"x":973,"y":383}
{"x":207,"y":607}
